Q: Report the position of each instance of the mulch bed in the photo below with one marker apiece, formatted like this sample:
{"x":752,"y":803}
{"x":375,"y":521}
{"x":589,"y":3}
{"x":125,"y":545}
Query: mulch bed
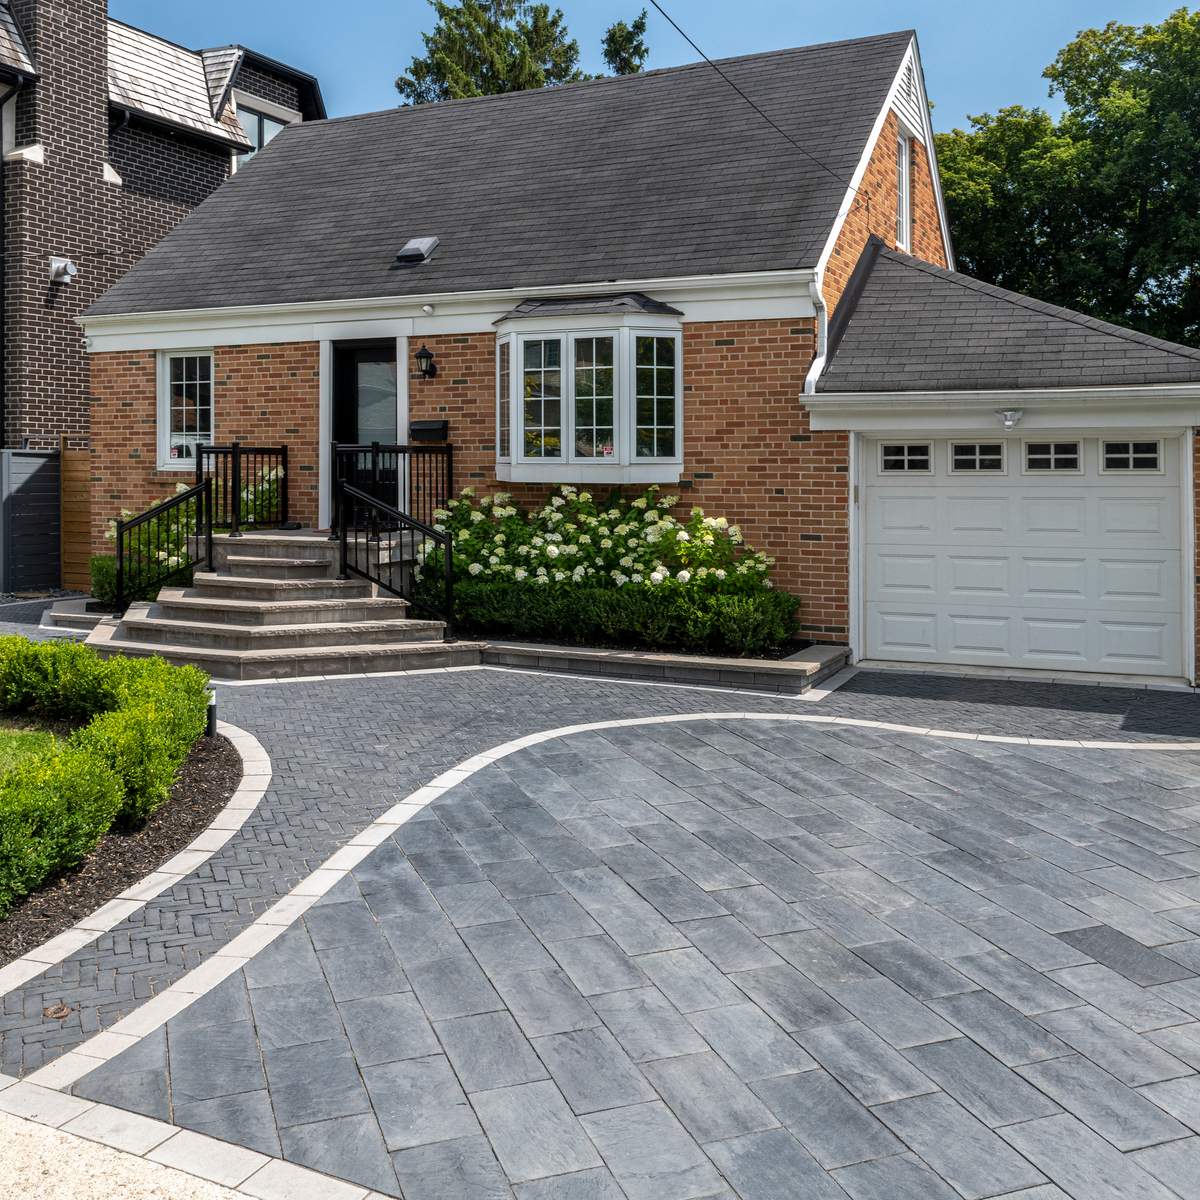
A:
{"x":205,"y":785}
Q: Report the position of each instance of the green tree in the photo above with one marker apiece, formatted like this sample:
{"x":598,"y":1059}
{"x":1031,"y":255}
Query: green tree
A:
{"x":1098,"y":209}
{"x":625,"y":49}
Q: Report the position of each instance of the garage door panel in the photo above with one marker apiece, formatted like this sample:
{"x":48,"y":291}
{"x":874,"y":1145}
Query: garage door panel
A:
{"x":1075,"y":572}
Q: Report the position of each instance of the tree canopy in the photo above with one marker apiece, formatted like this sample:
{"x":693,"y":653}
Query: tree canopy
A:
{"x":485,"y":47}
{"x":1099,"y":209}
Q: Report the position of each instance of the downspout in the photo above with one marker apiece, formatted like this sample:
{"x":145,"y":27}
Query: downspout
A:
{"x":822,"y":324}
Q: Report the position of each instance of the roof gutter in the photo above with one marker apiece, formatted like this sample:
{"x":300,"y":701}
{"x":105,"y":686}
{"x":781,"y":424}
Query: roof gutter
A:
{"x":1092,"y":397}
{"x":159,"y":122}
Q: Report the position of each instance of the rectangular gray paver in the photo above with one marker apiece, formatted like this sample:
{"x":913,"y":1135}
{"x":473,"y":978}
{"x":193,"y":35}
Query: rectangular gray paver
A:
{"x":1126,"y":956}
{"x":546,"y":1002}
{"x":864,"y":1064}
{"x":834,"y":1127}
{"x":1179,"y":1097}
{"x":365,"y":968}
{"x":1081,"y":1162}
{"x":556,"y":917}
{"x":848,"y":923}
{"x":347,"y":1148}
{"x":592,"y":1071}
{"x":1040,"y":950}
{"x":772,"y":1165}
{"x":1177,"y":1164}
{"x":918,"y":972}
{"x":597,"y":964}
{"x":679,"y":899}
{"x":959,"y":1148}
{"x":596,"y":1184}
{"x":457,"y":1167}
{"x":245,"y":1120}
{"x":761,"y":911}
{"x":505,"y":947}
{"x":708,"y":1097}
{"x":1181,"y":1041}
{"x":688,"y":979}
{"x":489,"y":1051}
{"x":313,"y":1082}
{"x":651,"y":1155}
{"x":935,"y":932}
{"x":421,"y":937}
{"x":820,"y":958}
{"x":790,"y":998}
{"x":1038,"y":909}
{"x":1117,"y":1113}
{"x":219,"y":1060}
{"x":980,"y":1083}
{"x":892,"y":1013}
{"x":1027,"y":990}
{"x":1133,"y":1006}
{"x":1139,"y":923}
{"x":452,"y":987}
{"x":751,"y":1043}
{"x":419,"y":1100}
{"x":727,"y":943}
{"x":999,"y":1028}
{"x":1132,"y":1058}
{"x":473,"y":904}
{"x":293,"y":1016}
{"x":647,"y":1024}
{"x":387,"y":1028}
{"x":534,"y":1132}
{"x":901,"y":1177}
{"x":636,"y":926}
{"x":520,"y":878}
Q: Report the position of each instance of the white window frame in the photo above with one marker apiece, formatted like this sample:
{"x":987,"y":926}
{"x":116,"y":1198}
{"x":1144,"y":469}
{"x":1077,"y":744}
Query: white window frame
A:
{"x":904,"y":152}
{"x":1105,"y":469}
{"x":908,"y":446}
{"x":163,"y":408}
{"x":1078,"y":443}
{"x":624,"y":466}
{"x":952,"y":446}
{"x":504,"y":452}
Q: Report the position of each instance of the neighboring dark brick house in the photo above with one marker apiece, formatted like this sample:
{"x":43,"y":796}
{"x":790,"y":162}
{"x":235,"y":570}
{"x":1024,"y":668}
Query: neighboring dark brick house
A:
{"x":110,"y":136}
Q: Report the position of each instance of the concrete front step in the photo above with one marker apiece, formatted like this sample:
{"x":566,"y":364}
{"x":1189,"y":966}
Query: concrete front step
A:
{"x":178,"y":604}
{"x":286,"y":663}
{"x":153,"y":627}
{"x":275,"y":545}
{"x":228,"y":587}
{"x":247,"y":566}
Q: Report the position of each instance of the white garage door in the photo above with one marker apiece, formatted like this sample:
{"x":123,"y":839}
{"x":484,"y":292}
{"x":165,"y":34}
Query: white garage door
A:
{"x":1059,"y":555}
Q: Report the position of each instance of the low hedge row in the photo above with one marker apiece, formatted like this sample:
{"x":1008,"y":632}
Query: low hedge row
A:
{"x":143,"y":716}
{"x":748,"y":624}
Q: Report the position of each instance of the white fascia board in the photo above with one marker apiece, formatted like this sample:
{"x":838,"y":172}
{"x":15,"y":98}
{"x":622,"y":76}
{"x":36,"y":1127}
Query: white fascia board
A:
{"x":931,"y":150}
{"x":759,"y":295}
{"x":1159,"y":406}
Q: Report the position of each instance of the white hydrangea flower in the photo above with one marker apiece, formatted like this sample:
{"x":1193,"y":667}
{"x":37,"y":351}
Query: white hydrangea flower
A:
{"x":541,"y":579}
{"x":619,"y":579}
{"x":463,"y":534}
{"x":520,"y":573}
{"x":493,"y":559}
{"x":475,"y":568}
{"x":585,"y":497}
{"x":657,"y":577}
{"x":640,"y":502}
{"x":627,"y":561}
{"x":635,"y":577}
{"x":552,"y":551}
{"x":720,"y":572}
{"x":557,"y":501}
{"x":684,"y":576}
{"x":606,"y":543}
{"x":476,"y":517}
{"x":683,"y":536}
{"x":559,"y":576}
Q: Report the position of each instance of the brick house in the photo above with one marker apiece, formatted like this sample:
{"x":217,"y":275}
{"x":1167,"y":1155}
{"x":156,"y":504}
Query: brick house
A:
{"x":767,"y":322}
{"x":110,"y":137}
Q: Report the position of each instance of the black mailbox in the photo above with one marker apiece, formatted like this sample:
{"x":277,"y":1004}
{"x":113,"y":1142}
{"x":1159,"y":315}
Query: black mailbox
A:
{"x":428,"y":431}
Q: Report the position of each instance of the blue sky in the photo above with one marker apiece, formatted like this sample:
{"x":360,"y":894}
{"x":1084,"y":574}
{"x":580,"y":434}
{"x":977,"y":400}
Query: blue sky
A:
{"x":977,"y":56}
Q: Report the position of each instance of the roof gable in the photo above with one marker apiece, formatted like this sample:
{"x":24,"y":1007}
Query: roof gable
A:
{"x":664,"y":174}
{"x":907,"y":326}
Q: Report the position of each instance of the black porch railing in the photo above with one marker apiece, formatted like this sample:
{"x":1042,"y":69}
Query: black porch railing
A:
{"x":250,"y":485}
{"x":415,"y":479}
{"x":164,"y":543}
{"x":396,"y":552}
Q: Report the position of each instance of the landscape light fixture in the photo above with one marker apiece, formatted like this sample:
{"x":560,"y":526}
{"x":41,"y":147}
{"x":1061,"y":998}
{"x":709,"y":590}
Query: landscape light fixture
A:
{"x":425,"y":363}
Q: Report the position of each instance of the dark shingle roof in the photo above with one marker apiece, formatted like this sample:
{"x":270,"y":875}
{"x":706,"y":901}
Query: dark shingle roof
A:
{"x":664,"y":174}
{"x":908,"y":326}
{"x":575,"y":306}
{"x":14,"y":53}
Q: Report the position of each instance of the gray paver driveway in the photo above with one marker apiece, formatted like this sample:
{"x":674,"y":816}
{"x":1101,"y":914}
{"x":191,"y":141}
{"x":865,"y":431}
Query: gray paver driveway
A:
{"x":730,"y":958}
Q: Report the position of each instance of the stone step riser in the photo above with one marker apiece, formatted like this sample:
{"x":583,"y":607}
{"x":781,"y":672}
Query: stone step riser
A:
{"x":257,"y":546}
{"x":280,"y":568}
{"x":298,"y":613}
{"x":225,"y":587}
{"x":206,"y":637}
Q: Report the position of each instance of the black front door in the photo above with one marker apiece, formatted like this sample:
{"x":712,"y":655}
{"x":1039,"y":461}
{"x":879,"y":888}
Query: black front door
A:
{"x":364,"y":393}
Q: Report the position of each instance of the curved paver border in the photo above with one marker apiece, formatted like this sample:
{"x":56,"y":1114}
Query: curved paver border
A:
{"x":256,"y":776}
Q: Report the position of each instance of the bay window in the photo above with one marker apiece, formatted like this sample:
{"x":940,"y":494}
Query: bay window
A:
{"x":602,"y":404}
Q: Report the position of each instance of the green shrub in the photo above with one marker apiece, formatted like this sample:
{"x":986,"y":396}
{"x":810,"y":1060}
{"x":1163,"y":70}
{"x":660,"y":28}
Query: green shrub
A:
{"x":144,"y":717}
{"x":625,"y":573}
{"x":104,"y":578}
{"x":53,"y":810}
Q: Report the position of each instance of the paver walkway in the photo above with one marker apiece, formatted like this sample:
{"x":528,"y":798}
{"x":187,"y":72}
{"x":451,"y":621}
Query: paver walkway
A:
{"x":725,"y":958}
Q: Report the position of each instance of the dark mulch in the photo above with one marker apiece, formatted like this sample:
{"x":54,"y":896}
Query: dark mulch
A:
{"x":208,"y":779}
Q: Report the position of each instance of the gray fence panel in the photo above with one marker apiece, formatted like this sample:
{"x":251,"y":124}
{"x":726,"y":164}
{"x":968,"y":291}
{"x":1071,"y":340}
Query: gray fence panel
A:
{"x":30,"y":520}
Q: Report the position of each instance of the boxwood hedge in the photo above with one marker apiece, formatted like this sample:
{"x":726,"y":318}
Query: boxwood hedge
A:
{"x":142,"y":716}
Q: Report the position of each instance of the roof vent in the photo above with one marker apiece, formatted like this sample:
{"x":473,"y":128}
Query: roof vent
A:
{"x":417,"y":250}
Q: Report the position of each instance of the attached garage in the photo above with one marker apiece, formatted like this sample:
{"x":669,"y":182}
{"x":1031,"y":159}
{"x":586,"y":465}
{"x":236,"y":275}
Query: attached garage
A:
{"x":1022,"y":478}
{"x":1060,"y":554}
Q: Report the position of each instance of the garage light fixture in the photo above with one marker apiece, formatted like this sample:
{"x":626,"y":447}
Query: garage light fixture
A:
{"x":1010,"y":418}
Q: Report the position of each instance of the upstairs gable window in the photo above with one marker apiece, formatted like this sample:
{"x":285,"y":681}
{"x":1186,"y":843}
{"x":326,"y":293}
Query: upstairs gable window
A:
{"x":260,"y":129}
{"x":597,"y":403}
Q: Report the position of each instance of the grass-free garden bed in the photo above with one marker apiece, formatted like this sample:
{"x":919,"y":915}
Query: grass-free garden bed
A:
{"x":209,"y":777}
{"x":135,"y":722}
{"x":618,"y":574}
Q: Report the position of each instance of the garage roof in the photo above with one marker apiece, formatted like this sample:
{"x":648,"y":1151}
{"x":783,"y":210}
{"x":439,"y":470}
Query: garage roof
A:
{"x":663,"y":174}
{"x":907,"y":326}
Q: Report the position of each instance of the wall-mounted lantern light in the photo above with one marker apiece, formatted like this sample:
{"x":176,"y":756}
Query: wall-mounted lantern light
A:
{"x":1010,"y":418}
{"x":425,"y":363}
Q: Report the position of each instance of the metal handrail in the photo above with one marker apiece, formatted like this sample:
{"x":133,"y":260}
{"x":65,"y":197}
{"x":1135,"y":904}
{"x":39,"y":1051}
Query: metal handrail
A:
{"x":383,"y":517}
{"x":240,"y":469}
{"x":140,"y":541}
{"x":420,"y":478}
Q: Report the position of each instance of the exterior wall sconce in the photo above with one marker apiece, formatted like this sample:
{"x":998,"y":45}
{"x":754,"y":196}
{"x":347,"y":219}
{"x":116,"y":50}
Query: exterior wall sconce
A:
{"x":425,"y":363}
{"x":1010,"y":418}
{"x":62,"y":270}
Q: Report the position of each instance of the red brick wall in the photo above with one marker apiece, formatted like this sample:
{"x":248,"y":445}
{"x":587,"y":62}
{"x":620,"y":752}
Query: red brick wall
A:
{"x":874,"y":212}
{"x":263,"y":394}
{"x":749,"y":454}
